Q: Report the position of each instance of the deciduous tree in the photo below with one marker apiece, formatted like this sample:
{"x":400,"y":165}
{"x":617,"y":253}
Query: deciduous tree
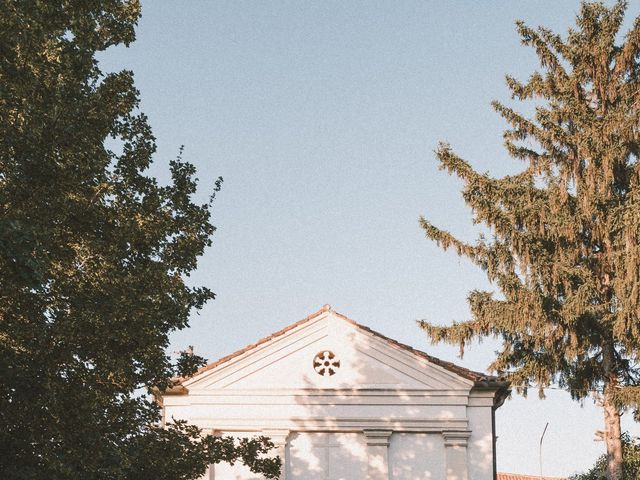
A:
{"x":630,"y":466}
{"x":93,"y":258}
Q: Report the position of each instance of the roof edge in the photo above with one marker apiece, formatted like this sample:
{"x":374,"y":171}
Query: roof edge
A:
{"x":521,"y":476}
{"x":480,"y":380}
{"x":179,"y":389}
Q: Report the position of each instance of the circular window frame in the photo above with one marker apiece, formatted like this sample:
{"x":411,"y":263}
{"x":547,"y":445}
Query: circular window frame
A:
{"x":326,"y":363}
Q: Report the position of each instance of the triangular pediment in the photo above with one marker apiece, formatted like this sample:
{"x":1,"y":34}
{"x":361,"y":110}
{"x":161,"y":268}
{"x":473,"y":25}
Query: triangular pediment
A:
{"x":327,"y":351}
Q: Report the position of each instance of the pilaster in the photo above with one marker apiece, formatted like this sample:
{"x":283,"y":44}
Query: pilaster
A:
{"x":279,"y":439}
{"x":455,"y":447}
{"x":378,"y":453}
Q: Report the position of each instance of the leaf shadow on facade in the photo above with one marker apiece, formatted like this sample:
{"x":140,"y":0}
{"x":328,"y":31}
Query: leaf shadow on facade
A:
{"x":383,"y":411}
{"x":357,"y":429}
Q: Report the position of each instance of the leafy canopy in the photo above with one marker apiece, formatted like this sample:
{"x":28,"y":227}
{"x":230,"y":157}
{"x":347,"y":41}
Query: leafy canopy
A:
{"x":94,"y":253}
{"x":631,"y":465}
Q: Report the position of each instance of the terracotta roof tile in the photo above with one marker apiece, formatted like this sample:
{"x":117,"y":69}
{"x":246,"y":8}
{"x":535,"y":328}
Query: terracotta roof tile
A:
{"x":517,"y":476}
{"x":480,"y":379}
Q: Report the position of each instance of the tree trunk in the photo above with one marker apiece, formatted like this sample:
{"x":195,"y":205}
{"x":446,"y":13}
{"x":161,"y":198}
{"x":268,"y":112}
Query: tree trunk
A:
{"x":612,"y":431}
{"x":613,"y":438}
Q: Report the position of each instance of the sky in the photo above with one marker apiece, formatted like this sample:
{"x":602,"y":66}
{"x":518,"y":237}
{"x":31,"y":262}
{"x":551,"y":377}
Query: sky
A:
{"x":322,"y":118}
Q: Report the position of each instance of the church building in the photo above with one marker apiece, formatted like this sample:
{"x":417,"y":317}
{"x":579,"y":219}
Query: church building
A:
{"x":343,"y":402}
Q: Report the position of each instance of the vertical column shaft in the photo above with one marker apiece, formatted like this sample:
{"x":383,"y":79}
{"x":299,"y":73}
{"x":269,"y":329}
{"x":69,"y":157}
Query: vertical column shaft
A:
{"x":455,"y":447}
{"x":279,"y":439}
{"x":378,"y":454}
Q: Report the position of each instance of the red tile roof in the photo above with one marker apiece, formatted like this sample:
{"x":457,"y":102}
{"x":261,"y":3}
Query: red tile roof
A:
{"x":517,"y":476}
{"x":481,"y":380}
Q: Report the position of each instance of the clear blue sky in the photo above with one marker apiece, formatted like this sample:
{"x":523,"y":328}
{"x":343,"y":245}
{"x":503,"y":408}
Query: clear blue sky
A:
{"x":322,"y":118}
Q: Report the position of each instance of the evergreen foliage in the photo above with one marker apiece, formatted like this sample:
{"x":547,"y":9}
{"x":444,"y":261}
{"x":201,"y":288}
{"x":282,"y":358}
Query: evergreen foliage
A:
{"x":93,"y":258}
{"x":564,"y":249}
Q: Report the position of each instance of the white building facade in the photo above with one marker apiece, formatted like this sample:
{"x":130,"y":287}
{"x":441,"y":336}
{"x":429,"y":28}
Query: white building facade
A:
{"x":343,"y":402}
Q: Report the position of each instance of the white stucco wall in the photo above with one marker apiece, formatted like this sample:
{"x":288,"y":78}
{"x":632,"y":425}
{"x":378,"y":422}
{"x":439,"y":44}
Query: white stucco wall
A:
{"x":480,"y":443}
{"x":343,"y":456}
{"x":320,"y":456}
{"x":417,"y":456}
{"x":385,"y":413}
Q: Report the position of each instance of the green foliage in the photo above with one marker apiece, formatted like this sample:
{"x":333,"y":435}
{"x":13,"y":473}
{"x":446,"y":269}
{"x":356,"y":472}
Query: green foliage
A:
{"x":167,"y":453}
{"x":188,"y":363}
{"x":564,"y":248}
{"x":631,"y":465}
{"x":93,"y":259}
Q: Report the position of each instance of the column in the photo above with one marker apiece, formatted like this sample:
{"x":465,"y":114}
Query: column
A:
{"x":279,"y":439}
{"x":455,"y":447}
{"x":378,"y":453}
{"x":210,"y":474}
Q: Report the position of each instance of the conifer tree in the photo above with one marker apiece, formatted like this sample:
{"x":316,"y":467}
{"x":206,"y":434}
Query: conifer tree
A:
{"x":564,"y":249}
{"x":94,"y":252}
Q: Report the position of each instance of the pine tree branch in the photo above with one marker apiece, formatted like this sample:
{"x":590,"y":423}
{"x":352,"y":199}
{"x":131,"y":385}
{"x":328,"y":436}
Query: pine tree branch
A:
{"x":446,"y":240}
{"x":626,"y":61}
{"x":543,"y":42}
{"x":627,"y":396}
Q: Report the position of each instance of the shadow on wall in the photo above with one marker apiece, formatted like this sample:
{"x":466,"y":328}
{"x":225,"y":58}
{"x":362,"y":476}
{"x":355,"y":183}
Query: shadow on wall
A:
{"x":368,"y":414}
{"x":328,"y":442}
